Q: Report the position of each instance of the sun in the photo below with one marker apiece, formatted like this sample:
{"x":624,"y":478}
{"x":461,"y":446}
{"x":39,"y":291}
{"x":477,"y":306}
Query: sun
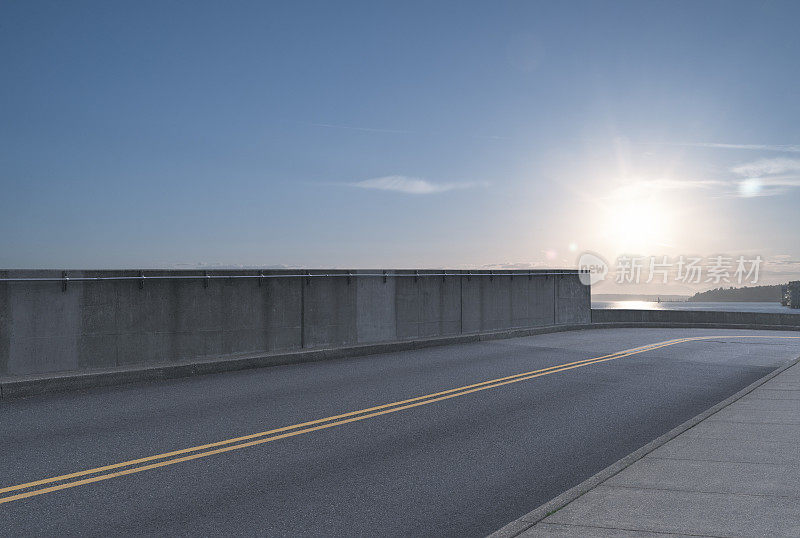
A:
{"x":638,"y":220}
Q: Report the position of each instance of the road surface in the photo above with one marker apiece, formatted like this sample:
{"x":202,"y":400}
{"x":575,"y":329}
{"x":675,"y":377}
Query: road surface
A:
{"x":483,"y":433}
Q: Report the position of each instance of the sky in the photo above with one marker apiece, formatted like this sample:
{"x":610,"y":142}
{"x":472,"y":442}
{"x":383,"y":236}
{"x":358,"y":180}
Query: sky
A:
{"x":398,"y":134}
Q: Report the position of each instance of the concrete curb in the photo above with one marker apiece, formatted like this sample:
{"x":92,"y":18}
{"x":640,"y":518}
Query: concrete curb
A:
{"x":689,"y":325}
{"x":533,"y":517}
{"x":22,"y":386}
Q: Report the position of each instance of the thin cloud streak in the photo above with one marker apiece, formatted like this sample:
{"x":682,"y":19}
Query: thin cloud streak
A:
{"x":767,"y":166}
{"x":411,"y":185}
{"x":400,"y":131}
{"x":785,"y":148}
{"x":781,"y":148}
{"x":653,"y":186}
{"x":755,"y":181}
{"x":365,"y":129}
{"x":682,"y":184}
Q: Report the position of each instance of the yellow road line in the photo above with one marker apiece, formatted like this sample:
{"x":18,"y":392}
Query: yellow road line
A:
{"x":293,"y":433}
{"x":328,"y":422}
{"x":300,"y":425}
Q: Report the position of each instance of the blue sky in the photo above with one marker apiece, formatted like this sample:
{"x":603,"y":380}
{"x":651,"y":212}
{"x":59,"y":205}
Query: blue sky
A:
{"x":402,"y":134}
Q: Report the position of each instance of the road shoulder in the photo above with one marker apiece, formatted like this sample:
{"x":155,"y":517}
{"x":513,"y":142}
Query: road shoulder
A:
{"x":732,"y":469}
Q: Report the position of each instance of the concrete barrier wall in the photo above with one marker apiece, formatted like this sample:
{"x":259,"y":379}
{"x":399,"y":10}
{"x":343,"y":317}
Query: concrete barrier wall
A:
{"x":694,"y":317}
{"x":101,"y":324}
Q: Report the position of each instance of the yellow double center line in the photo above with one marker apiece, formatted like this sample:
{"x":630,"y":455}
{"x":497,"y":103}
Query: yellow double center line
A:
{"x":236,"y":443}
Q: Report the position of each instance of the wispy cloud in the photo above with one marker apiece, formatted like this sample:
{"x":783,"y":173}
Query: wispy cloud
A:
{"x":767,"y":166}
{"x":412,"y":185}
{"x":785,"y":148}
{"x":767,"y":177}
{"x":680,"y":184}
{"x":403,"y":131}
{"x":650,"y":187}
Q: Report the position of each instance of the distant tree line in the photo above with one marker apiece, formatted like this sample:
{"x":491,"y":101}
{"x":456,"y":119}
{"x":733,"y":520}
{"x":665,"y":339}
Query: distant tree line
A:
{"x":752,"y":294}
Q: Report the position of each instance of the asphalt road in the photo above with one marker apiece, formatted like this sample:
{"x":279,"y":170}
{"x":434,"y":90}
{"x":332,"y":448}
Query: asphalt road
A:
{"x":462,"y":463}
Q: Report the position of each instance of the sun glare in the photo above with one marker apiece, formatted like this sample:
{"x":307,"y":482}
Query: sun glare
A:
{"x":638,"y":220}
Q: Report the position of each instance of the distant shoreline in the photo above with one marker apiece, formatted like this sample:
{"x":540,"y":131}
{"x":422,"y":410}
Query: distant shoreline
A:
{"x":752,"y":294}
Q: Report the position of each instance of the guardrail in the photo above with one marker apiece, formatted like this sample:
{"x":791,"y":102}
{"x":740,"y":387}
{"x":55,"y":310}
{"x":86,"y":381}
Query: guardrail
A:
{"x":416,"y":274}
{"x":65,"y":279}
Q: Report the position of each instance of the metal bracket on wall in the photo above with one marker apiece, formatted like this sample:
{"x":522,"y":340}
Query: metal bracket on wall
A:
{"x":308,"y":278}
{"x":416,"y":276}
{"x":141,"y":280}
{"x":529,"y":275}
{"x":384,"y":277}
{"x":349,"y":276}
{"x":206,"y":279}
{"x":260,"y":278}
{"x":469,"y":276}
{"x":444,"y":276}
{"x":64,"y":280}
{"x":491,"y":276}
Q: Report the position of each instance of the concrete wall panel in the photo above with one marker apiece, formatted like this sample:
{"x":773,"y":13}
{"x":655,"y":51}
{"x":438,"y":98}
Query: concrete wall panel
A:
{"x":283,"y":305}
{"x":495,"y":303}
{"x":329,"y":312}
{"x":543,"y":299}
{"x":44,"y":327}
{"x":5,"y":321}
{"x":427,"y":306}
{"x":376,"y":309}
{"x":449,"y":322}
{"x":471,"y":304}
{"x":409,"y":307}
{"x":532,"y":301}
{"x":574,"y":300}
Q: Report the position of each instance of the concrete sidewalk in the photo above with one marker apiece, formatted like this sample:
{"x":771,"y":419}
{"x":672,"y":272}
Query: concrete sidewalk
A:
{"x":736,"y":473}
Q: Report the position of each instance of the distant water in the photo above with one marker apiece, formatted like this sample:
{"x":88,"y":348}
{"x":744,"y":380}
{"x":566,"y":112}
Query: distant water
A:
{"x":718,"y":307}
